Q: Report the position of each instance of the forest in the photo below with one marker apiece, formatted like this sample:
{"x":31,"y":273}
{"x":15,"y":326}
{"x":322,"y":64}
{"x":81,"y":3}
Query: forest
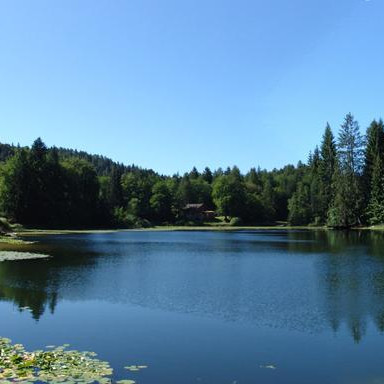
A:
{"x":341,"y":185}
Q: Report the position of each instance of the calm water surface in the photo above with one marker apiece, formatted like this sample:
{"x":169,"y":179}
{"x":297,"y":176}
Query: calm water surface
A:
{"x":207,"y":307}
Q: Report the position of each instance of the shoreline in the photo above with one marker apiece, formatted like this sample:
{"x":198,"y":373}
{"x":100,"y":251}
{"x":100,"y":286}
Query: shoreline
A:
{"x":163,"y":228}
{"x":160,"y":228}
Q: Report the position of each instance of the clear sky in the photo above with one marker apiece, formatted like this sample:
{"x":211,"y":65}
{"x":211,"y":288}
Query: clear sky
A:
{"x":172,"y":84}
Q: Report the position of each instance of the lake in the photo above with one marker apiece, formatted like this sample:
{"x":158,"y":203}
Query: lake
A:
{"x":205,"y":307}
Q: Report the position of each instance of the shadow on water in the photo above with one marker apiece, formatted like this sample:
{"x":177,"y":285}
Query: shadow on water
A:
{"x":34,"y":285}
{"x":302,"y":280}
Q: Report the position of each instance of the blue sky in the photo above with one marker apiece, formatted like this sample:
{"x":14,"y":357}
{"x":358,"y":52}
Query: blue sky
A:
{"x":171,"y":84}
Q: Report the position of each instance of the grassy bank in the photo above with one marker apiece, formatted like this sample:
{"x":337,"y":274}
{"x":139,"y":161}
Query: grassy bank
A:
{"x":206,"y":227}
{"x":43,"y":232}
{"x":229,"y":228}
{"x":13,"y":240}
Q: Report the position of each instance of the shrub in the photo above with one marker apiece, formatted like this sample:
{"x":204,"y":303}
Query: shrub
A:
{"x":235,"y":222}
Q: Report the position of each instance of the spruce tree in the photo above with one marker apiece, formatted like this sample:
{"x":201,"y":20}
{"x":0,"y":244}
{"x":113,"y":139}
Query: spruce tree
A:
{"x":375,"y":209}
{"x":207,"y":175}
{"x":326,"y":170}
{"x":268,"y":199}
{"x":346,"y":207}
{"x":314,"y":188}
{"x":374,"y":149}
{"x":115,"y":193}
{"x":194,"y":174}
{"x":15,"y":199}
{"x":350,"y":147}
{"x":299,"y":206}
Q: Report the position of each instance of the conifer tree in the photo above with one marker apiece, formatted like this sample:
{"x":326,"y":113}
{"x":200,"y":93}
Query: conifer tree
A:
{"x":15,"y":187}
{"x":375,"y":209}
{"x":268,"y":199}
{"x":374,"y":149}
{"x":194,"y":174}
{"x":115,"y":195}
{"x":326,"y":170}
{"x":300,"y":206}
{"x":350,"y":147}
{"x":347,"y":202}
{"x":314,"y":189}
{"x":207,"y":175}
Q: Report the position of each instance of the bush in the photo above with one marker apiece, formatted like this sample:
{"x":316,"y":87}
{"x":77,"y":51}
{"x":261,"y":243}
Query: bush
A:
{"x":122,"y":218}
{"x":143,"y":223}
{"x":17,"y":227}
{"x":4,"y":225}
{"x":235,"y":222}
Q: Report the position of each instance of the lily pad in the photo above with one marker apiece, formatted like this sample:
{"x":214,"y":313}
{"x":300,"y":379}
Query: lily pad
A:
{"x":53,"y":366}
{"x":135,"y":368}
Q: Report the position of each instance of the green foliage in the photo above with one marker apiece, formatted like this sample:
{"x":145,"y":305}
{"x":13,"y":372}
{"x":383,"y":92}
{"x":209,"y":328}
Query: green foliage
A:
{"x":6,"y":151}
{"x":15,"y":191}
{"x":137,"y":191}
{"x":161,"y":202}
{"x":375,"y":209}
{"x":123,"y":219}
{"x":81,"y":189}
{"x":207,"y":175}
{"x":37,"y":190}
{"x":194,"y":190}
{"x":341,"y":185}
{"x":374,"y":148}
{"x":115,"y":190}
{"x":328,"y":159}
{"x":235,"y":222}
{"x":300,"y":206}
{"x":350,"y":147}
{"x":5,"y":226}
{"x":54,"y":365}
{"x":229,"y":194}
{"x":346,"y":208}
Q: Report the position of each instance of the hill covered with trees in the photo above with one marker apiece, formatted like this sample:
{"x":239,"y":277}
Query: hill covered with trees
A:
{"x":342,"y":185}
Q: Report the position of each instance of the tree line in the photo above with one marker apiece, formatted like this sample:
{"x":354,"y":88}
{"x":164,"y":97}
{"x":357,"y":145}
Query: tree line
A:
{"x":341,"y":185}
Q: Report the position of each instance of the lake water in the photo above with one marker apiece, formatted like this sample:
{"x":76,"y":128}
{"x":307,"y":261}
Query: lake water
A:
{"x":207,"y":307}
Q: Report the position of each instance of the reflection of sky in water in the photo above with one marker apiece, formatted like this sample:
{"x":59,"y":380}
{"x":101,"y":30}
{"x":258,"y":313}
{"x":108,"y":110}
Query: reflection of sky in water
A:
{"x":295,"y":280}
{"x":298,"y":288}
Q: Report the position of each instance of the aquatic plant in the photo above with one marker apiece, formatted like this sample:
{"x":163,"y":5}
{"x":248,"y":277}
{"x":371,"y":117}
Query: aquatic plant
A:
{"x":57,"y":365}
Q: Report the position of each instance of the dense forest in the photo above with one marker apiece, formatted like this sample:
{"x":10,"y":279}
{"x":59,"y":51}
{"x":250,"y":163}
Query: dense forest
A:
{"x":341,"y":185}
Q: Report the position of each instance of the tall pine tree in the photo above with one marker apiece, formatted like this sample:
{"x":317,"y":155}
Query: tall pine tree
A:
{"x":374,"y":149}
{"x":375,"y":209}
{"x":346,"y":208}
{"x":327,"y":165}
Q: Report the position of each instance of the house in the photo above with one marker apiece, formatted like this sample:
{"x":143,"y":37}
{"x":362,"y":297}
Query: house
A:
{"x":198,"y":212}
